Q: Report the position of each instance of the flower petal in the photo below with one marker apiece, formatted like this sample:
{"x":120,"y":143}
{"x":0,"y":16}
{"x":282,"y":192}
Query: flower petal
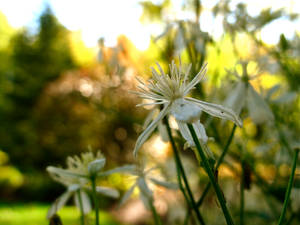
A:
{"x":73,"y":187}
{"x":108,"y":191}
{"x":64,"y":172}
{"x":258,"y":109}
{"x":144,"y":187}
{"x":164,"y":183}
{"x":200,"y":131}
{"x":195,"y":80}
{"x":127,"y":195}
{"x":146,"y":200}
{"x":59,"y":203}
{"x":185,"y":111}
{"x":150,"y":116}
{"x":86,"y":202}
{"x":122,"y":169}
{"x":95,"y":166}
{"x":217,"y":111}
{"x":146,"y":133}
{"x":185,"y":132}
{"x":236,"y":99}
{"x":162,"y":129}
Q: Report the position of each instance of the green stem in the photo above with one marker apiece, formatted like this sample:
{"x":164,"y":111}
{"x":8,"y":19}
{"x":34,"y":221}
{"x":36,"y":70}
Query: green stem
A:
{"x":155,"y":215}
{"x":242,"y":188}
{"x":182,"y":173}
{"x":289,"y":188}
{"x":94,"y":193}
{"x":211,"y":176}
{"x":220,"y":160}
{"x":81,"y":207}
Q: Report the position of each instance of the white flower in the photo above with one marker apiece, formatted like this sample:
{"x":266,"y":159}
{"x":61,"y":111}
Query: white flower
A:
{"x":244,"y":95}
{"x":171,"y":92}
{"x":79,"y":168}
{"x":76,"y":177}
{"x":72,"y":190}
{"x":143,"y":177}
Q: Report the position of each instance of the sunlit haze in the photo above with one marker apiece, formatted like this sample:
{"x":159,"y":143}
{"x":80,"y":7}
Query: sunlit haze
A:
{"x":108,"y":19}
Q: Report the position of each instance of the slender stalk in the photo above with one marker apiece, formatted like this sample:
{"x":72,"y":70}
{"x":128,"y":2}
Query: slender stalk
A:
{"x":188,"y":201}
{"x":220,"y":160}
{"x":289,"y":188}
{"x":242,"y":196}
{"x":211,"y":176}
{"x":81,"y":207}
{"x":201,"y":199}
{"x":182,"y":173}
{"x":94,"y":193}
{"x":155,"y":215}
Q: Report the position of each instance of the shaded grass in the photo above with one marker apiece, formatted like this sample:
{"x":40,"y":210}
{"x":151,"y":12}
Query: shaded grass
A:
{"x":35,"y":214}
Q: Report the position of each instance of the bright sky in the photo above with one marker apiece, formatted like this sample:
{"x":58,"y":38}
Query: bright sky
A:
{"x":110,"y":18}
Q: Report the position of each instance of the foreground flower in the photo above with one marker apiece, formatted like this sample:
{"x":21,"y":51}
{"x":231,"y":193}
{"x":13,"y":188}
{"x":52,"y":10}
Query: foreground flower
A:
{"x":77,"y":176}
{"x":171,"y":92}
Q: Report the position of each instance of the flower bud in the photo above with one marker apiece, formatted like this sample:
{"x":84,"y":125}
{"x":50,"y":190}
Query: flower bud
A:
{"x":95,"y":166}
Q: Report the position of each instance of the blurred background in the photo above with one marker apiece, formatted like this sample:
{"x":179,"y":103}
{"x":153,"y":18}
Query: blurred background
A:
{"x":66,"y":68}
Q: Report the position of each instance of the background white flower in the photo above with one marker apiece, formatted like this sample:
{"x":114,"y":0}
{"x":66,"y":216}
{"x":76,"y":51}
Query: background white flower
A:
{"x":76,"y":177}
{"x":244,"y":95}
{"x":143,"y":179}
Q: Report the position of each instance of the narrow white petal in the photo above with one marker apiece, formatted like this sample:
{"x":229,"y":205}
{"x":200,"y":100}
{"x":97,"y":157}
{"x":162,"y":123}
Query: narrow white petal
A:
{"x":258,"y":109}
{"x":108,"y":191}
{"x":150,"y":117}
{"x":141,"y":182}
{"x":150,"y":95}
{"x":200,"y":131}
{"x":122,"y":169}
{"x":146,"y":133}
{"x":236,"y":99}
{"x":160,"y":69}
{"x":59,"y":203}
{"x":86,"y":202}
{"x":196,"y":79}
{"x":217,"y":111}
{"x":145,"y":199}
{"x":162,"y":129}
{"x":164,"y":184}
{"x":147,"y":171}
{"x":185,"y":79}
{"x":65,"y":173}
{"x":152,"y":103}
{"x":127,"y":195}
{"x":140,"y":80}
{"x":185,"y":132}
{"x":73,"y":187}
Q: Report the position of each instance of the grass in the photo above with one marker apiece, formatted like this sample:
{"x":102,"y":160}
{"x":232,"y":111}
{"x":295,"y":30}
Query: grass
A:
{"x":35,"y":214}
